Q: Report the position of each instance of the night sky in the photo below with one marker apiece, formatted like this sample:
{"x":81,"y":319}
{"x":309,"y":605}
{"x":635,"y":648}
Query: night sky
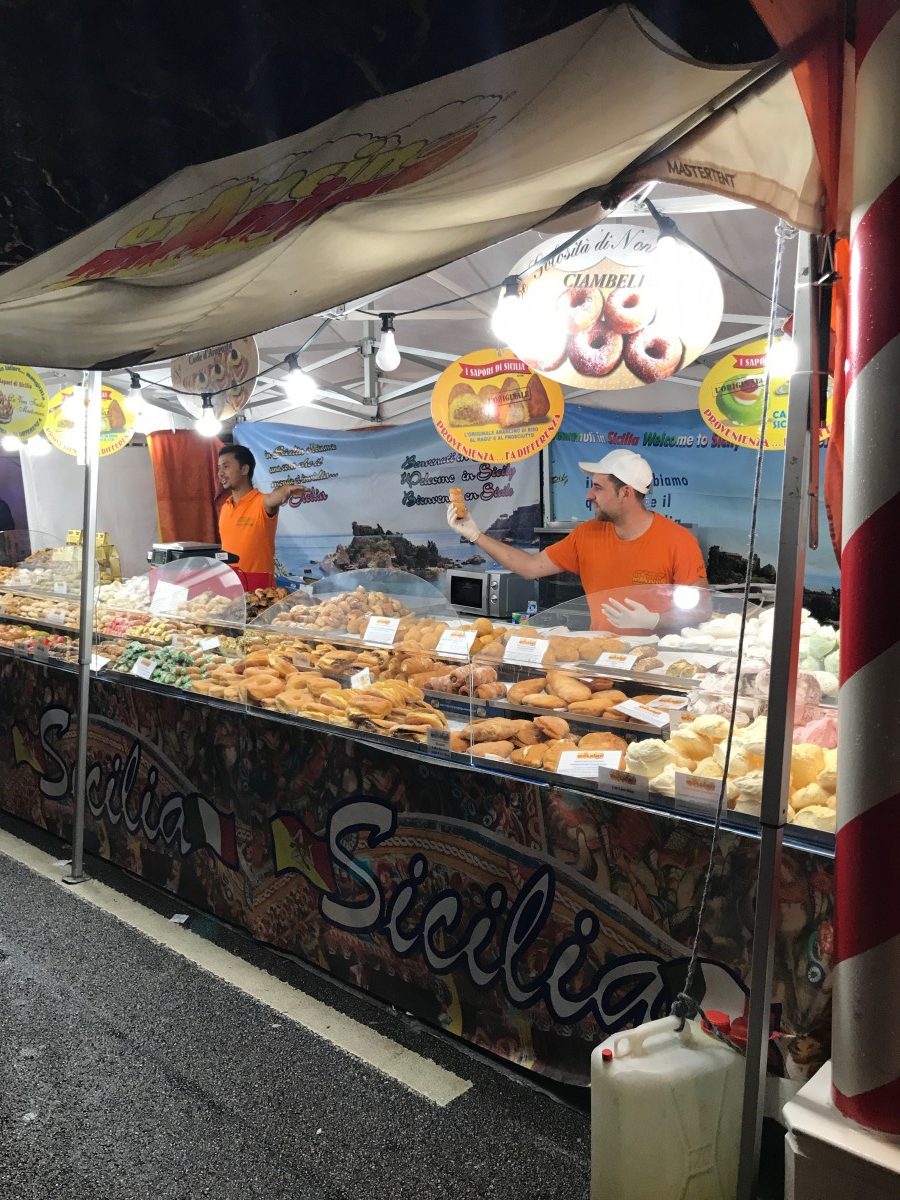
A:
{"x":100,"y":101}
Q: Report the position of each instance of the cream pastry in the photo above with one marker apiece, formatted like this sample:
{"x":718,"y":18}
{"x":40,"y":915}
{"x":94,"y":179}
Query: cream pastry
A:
{"x":648,"y":757}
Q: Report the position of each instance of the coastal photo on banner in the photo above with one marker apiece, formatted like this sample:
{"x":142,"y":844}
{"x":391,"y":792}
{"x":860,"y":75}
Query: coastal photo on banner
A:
{"x":699,"y":479}
{"x":361,"y":485}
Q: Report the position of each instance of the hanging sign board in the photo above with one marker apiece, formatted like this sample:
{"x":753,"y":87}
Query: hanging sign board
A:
{"x":619,"y":308}
{"x":23,"y":402}
{"x":491,"y":407}
{"x":732,"y":394}
{"x":64,"y":428}
{"x":233,"y":365}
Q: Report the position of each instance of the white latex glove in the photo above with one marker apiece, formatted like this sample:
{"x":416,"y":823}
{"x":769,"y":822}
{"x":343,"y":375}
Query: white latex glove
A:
{"x":464,"y":526}
{"x":629,"y":615}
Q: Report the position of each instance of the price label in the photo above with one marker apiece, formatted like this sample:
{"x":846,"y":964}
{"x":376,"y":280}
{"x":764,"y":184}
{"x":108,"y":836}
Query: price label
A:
{"x":618,"y":662}
{"x":438,"y":742}
{"x":697,"y":787}
{"x":361,"y":679}
{"x":57,"y":616}
{"x":525,"y":651}
{"x":585,"y":763}
{"x":457,"y":642}
{"x":643,"y":713}
{"x":38,"y":651}
{"x":168,"y":596}
{"x":61,"y":587}
{"x":98,"y":662}
{"x":178,"y":641}
{"x":623,"y":783}
{"x":381,"y":630}
{"x":210,"y":643}
{"x":668,"y":703}
{"x":143,"y":668}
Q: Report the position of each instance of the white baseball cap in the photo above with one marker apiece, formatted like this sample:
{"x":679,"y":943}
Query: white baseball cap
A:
{"x":625,"y":465}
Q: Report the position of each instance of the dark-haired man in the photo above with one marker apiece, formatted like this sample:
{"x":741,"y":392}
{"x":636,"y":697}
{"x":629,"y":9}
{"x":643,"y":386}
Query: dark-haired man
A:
{"x":248,"y":518}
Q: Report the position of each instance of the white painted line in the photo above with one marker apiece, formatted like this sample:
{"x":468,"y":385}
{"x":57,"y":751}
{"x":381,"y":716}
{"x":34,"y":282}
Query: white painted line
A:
{"x":418,"y":1074}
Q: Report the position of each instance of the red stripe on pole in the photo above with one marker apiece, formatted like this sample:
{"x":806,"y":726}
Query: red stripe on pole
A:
{"x":873,"y":273}
{"x":866,"y":912}
{"x":869,"y":615}
{"x":871,"y":18}
{"x":878,"y":1109}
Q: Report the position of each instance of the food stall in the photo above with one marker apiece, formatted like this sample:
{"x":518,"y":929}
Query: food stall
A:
{"x":500,"y":828}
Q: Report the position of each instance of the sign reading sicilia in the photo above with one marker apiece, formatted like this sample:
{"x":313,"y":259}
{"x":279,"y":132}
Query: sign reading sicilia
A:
{"x":23,"y":402}
{"x":65,"y":431}
{"x":732,"y":394}
{"x":491,"y":407}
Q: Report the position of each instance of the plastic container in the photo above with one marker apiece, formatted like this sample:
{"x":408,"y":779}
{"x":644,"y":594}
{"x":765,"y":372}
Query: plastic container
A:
{"x":665,"y":1115}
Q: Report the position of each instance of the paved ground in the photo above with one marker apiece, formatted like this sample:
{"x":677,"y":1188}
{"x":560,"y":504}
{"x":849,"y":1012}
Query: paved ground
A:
{"x":127,"y":1072}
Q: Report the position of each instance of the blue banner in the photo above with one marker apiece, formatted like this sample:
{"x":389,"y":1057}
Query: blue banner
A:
{"x":395,"y":478}
{"x":698,"y":479}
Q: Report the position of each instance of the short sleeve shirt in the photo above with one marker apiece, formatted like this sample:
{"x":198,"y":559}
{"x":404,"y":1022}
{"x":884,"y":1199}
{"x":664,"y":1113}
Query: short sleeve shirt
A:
{"x":247,"y":530}
{"x":666,"y":553}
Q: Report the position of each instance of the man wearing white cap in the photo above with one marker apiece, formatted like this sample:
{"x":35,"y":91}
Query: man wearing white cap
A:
{"x":626,"y":549}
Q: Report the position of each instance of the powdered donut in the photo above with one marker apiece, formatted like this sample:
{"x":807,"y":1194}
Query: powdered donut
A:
{"x":652,"y":356}
{"x":595,"y":352}
{"x":580,"y":307}
{"x":628,"y":310}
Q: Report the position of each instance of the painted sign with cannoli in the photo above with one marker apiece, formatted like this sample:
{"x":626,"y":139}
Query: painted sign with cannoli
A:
{"x":23,"y":402}
{"x":233,"y":365}
{"x":492,"y":407}
{"x":620,"y":308}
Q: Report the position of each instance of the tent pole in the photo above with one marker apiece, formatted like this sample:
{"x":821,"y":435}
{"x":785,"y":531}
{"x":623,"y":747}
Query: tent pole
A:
{"x":782,"y":689}
{"x":86,"y":621}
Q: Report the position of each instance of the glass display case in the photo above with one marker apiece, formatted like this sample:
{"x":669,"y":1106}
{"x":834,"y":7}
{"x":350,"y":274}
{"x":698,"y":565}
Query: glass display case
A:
{"x":40,"y":595}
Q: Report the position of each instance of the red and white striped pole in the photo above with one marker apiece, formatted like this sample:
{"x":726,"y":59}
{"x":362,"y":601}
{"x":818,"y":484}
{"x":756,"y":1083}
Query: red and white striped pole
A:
{"x":866,"y":1045}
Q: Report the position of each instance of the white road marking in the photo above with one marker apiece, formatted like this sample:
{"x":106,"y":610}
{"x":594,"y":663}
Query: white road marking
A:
{"x":419,"y":1074}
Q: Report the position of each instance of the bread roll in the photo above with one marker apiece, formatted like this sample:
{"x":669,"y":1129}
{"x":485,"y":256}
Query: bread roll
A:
{"x":501,"y":749}
{"x":552,"y":727}
{"x":545,"y":700}
{"x":458,"y":501}
{"x":567,"y":686}
{"x":602,"y":740}
{"x":524,"y":688}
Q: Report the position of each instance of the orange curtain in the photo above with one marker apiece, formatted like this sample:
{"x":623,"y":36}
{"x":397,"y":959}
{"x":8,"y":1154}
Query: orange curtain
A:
{"x":184,"y":472}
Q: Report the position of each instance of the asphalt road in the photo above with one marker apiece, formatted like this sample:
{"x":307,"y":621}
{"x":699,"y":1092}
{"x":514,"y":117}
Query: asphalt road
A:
{"x":127,"y":1071}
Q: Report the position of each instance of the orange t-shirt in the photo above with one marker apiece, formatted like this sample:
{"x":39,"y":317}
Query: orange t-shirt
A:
{"x":665,"y":553}
{"x":247,"y":530}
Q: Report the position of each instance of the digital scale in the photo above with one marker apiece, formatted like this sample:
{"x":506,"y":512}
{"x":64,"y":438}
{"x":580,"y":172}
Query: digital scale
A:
{"x":166,"y":552}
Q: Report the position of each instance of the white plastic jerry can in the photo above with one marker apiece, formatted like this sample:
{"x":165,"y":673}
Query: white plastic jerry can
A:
{"x":665,"y":1115}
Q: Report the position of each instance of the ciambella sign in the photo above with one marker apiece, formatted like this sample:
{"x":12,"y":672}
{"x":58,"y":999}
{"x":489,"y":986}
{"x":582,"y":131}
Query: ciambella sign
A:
{"x":618,"y":308}
{"x":491,"y":407}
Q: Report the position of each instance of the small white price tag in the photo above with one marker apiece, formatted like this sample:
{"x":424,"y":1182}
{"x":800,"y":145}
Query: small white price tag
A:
{"x":60,"y":587}
{"x":696,"y":787}
{"x":618,"y":662}
{"x":381,"y":630}
{"x":210,"y":643}
{"x":643,"y":713}
{"x":361,"y":679}
{"x":57,"y":616}
{"x":525,"y":651}
{"x":143,"y":668}
{"x":438,"y":741}
{"x":98,"y":662}
{"x":623,"y":783}
{"x":456,"y":642}
{"x":302,"y":661}
{"x":178,"y":641}
{"x":585,"y":763}
{"x":668,"y":703}
{"x":39,"y":652}
{"x":168,"y":596}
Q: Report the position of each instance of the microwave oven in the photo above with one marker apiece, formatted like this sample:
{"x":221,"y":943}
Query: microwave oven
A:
{"x":496,"y":594}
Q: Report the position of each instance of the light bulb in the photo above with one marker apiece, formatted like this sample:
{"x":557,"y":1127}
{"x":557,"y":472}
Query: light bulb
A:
{"x":506,"y":314}
{"x":208,"y":424}
{"x":10,"y":443}
{"x":38,"y":446}
{"x":299,"y":388}
{"x":781,"y":361}
{"x":388,"y":356}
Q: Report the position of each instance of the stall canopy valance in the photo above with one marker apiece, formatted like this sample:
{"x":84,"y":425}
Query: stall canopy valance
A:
{"x":401,"y":184}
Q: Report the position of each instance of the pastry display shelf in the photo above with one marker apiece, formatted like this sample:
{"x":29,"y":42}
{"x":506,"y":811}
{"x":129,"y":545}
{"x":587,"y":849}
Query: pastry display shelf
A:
{"x":57,"y":592}
{"x":38,"y":623}
{"x":505,"y":708}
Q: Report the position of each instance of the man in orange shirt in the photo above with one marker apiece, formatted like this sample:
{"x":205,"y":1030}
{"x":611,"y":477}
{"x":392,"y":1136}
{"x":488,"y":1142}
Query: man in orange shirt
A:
{"x":622,"y":556}
{"x":248,"y":518}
